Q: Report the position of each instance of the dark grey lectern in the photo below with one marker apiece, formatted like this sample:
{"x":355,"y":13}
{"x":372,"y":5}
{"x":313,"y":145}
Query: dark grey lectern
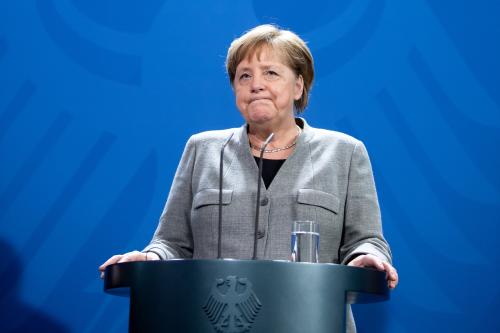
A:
{"x":230,"y":296}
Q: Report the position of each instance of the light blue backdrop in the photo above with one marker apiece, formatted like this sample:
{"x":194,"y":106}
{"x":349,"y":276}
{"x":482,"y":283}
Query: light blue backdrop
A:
{"x":97,"y":98}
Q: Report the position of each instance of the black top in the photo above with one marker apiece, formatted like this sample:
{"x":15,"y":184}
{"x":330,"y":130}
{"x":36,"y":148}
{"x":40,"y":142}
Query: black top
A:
{"x":269,"y":169}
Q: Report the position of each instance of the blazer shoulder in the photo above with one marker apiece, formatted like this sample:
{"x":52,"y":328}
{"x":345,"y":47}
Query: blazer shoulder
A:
{"x":215,"y":136}
{"x":323,"y":136}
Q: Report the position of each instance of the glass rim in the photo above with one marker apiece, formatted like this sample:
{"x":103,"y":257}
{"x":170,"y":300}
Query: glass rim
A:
{"x":301,"y":226}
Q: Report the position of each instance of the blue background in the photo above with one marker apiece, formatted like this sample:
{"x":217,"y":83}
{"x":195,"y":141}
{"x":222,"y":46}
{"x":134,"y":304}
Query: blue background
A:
{"x":98,"y":97}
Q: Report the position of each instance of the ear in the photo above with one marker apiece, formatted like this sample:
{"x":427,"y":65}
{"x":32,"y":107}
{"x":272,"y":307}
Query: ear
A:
{"x":299,"y":87}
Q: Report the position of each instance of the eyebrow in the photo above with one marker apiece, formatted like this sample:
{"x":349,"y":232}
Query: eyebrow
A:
{"x":260,"y":67}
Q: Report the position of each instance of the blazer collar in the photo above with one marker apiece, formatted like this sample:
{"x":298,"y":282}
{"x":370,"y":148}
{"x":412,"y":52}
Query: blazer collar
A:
{"x":306,"y":135}
{"x":300,"y":155}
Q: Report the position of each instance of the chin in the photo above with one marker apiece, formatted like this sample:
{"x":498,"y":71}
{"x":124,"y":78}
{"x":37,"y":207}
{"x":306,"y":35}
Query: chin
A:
{"x":259,"y":120}
{"x":260,"y":116}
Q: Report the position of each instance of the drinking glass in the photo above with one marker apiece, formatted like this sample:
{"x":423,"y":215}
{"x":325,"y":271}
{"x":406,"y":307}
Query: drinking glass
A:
{"x":305,"y":241}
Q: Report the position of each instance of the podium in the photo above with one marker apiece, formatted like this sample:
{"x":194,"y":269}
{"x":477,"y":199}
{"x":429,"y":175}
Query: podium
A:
{"x":230,"y":296}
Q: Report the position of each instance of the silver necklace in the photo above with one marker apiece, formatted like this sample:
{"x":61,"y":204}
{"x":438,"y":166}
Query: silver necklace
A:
{"x":275,"y":150}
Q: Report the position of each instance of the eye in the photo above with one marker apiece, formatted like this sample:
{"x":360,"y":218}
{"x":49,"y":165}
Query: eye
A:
{"x":270,"y":74}
{"x":244,"y":76}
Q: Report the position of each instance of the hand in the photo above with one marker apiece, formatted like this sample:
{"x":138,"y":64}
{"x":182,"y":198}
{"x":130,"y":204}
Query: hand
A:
{"x":369,"y":260}
{"x":130,"y":256}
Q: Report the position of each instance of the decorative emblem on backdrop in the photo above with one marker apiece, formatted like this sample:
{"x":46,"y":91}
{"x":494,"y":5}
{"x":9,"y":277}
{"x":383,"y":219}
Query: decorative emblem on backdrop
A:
{"x":232,"y":306}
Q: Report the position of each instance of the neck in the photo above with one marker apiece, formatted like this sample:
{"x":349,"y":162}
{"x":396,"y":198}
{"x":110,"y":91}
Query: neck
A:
{"x":283,"y":133}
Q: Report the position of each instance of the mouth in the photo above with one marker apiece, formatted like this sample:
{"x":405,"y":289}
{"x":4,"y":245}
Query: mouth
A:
{"x":258,"y":99}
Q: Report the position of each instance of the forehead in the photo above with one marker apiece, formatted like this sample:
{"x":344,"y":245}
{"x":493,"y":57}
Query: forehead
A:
{"x":265,"y":54}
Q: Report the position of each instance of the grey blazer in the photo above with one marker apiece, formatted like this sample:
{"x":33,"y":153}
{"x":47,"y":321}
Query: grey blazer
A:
{"x":328,"y":179}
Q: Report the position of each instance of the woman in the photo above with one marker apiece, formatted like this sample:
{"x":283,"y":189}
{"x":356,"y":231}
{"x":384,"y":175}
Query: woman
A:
{"x":310,"y":174}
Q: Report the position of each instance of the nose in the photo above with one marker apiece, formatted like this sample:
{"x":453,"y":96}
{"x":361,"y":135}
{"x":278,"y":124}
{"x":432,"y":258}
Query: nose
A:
{"x":257,"y":84}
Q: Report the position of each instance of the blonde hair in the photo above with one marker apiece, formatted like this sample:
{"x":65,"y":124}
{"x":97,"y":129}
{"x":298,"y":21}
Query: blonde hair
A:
{"x":291,"y":47}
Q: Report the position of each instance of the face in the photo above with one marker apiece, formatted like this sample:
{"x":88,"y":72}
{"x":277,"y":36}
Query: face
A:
{"x":266,"y":88}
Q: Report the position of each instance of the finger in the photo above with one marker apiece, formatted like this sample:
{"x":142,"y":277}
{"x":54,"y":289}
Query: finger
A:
{"x":396,"y":275}
{"x":110,"y":261}
{"x":125,"y":258}
{"x":356,"y":262}
{"x":390,"y":285}
{"x":392,"y":276}
{"x":367,"y":260}
{"x":378,"y":264}
{"x":388,"y":275}
{"x":372,"y":261}
{"x":395,"y":281}
{"x":391,"y":272}
{"x":133,"y":256}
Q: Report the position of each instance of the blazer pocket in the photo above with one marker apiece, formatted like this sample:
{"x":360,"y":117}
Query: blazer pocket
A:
{"x":210,"y":196}
{"x":319,"y":199}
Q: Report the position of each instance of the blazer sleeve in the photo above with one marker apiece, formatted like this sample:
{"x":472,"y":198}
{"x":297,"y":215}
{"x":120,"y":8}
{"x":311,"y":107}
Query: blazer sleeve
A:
{"x":362,"y":232}
{"x":173,"y":237}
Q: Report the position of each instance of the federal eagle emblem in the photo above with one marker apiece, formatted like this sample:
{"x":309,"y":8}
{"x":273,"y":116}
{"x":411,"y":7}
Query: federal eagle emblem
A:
{"x":232,"y":305}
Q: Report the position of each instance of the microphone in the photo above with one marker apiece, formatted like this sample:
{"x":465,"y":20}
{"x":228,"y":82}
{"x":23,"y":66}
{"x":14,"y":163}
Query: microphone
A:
{"x":221,"y":179}
{"x":259,"y":181}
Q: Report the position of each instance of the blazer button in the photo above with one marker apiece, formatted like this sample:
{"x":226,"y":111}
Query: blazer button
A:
{"x":264,"y":202}
{"x":260,"y":233}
